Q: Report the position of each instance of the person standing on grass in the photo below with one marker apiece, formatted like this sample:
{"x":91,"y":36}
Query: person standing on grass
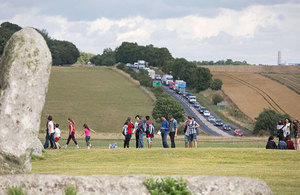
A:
{"x":289,"y":143}
{"x":173,"y":130}
{"x":57,"y":136}
{"x":136,"y":125}
{"x":164,"y":131}
{"x":71,"y":133}
{"x":87,"y":133}
{"x":149,"y":131}
{"x":128,"y":133}
{"x":279,"y":128}
{"x":296,"y":133}
{"x":186,"y":134}
{"x":51,"y":133}
{"x":193,"y":133}
{"x":287,"y":128}
{"x":281,"y":144}
{"x":142,"y":130}
{"x":271,"y":144}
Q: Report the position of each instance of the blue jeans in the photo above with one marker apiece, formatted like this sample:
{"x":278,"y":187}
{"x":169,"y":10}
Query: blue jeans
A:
{"x":51,"y":139}
{"x":164,"y":140}
{"x":141,"y":140}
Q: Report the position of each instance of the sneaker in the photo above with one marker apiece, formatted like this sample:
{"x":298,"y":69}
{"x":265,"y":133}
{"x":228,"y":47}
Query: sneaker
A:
{"x":89,"y":147}
{"x":65,"y":146}
{"x":77,"y":146}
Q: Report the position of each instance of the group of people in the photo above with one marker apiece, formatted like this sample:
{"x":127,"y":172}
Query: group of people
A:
{"x":145,"y":128}
{"x":53,"y":134}
{"x":285,"y":132}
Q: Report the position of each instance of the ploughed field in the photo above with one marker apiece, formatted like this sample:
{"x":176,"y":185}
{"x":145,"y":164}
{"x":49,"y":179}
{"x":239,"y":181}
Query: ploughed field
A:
{"x":251,"y":92}
{"x":98,"y":96}
{"x":290,"y":80}
{"x":244,"y":157}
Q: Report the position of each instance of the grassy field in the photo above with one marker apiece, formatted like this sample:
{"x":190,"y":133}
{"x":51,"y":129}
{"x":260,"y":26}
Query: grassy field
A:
{"x":98,"y":96}
{"x":215,"y":156}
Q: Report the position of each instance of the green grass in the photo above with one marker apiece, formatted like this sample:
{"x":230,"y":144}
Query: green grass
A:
{"x":279,"y":169}
{"x":98,"y":96}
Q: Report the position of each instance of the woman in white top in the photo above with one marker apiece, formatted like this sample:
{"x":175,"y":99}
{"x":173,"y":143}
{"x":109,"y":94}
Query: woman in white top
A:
{"x":287,"y":128}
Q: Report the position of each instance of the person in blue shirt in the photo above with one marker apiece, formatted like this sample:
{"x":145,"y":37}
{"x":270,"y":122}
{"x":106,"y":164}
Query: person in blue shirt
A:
{"x":173,"y":130}
{"x":282,"y":144}
{"x":164,"y":131}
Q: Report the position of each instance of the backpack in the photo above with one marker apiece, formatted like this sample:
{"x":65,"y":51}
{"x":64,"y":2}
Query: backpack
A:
{"x":125,"y":129}
{"x":144,"y":127}
{"x":150,"y":128}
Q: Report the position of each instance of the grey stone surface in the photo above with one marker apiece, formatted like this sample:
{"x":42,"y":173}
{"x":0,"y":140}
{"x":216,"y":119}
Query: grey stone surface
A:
{"x":24,"y":76}
{"x":130,"y":184}
{"x":38,"y":147}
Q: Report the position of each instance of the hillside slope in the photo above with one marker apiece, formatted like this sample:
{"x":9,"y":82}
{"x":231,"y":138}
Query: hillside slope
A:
{"x":98,"y":96}
{"x":252,"y":92}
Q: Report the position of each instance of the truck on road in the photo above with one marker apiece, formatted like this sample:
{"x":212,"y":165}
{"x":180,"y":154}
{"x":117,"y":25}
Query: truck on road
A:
{"x":166,"y":79}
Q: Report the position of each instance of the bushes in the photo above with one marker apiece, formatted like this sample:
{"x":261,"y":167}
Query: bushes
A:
{"x":142,"y":76}
{"x":216,"y":84}
{"x":216,"y":98}
{"x":166,"y":106}
{"x":16,"y":191}
{"x":266,"y":122}
{"x":167,"y":185}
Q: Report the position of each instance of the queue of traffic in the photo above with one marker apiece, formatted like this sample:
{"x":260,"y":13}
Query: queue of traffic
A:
{"x":179,"y":86}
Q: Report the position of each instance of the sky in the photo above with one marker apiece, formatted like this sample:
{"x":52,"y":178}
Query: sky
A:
{"x":251,"y":30}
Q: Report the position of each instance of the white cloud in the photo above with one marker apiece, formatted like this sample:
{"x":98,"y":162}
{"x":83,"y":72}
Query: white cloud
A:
{"x":253,"y":34}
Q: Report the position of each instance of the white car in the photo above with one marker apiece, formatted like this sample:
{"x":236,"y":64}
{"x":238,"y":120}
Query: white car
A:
{"x":206,"y":113}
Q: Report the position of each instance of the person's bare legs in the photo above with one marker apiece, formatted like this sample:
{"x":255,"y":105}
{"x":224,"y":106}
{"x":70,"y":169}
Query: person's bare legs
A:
{"x":195,"y":144}
{"x":186,"y":144}
{"x":190,"y":144}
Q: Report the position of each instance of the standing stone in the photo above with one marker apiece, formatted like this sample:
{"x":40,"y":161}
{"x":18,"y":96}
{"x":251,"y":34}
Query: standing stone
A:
{"x":24,"y":75}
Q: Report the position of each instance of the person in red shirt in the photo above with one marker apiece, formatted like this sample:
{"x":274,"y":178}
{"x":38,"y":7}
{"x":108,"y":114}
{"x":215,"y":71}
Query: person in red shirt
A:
{"x":128,"y":133}
{"x":71,"y":133}
{"x":289,"y":143}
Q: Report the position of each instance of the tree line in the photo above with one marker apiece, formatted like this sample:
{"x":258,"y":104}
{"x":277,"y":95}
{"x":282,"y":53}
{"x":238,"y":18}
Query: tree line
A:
{"x":63,"y":52}
{"x":221,"y":62}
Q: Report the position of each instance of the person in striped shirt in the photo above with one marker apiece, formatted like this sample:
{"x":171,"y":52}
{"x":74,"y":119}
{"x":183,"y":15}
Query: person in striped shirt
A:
{"x":192,"y":131}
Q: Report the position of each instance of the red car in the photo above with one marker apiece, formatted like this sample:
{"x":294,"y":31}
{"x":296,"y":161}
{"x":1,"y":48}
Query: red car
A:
{"x":171,"y":85}
{"x":238,"y":132}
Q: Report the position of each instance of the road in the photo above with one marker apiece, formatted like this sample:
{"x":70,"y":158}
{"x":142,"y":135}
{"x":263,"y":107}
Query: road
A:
{"x":205,"y":126}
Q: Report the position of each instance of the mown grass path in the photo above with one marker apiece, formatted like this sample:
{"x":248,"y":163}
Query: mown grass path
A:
{"x":280,"y":169}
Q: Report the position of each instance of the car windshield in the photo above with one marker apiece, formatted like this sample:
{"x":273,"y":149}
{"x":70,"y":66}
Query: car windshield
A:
{"x":218,"y":121}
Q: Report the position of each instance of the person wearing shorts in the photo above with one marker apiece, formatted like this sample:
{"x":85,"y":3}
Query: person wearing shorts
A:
{"x":195,"y":131}
{"x":149,"y":131}
{"x":57,"y":136}
{"x":192,"y":132}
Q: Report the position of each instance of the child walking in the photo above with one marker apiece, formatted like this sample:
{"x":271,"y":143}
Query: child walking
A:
{"x":149,"y":131}
{"x":71,"y":133}
{"x":87,"y":133}
{"x":127,"y":132}
{"x":57,"y":136}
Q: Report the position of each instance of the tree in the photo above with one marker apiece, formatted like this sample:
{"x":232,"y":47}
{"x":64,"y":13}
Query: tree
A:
{"x":84,"y":58}
{"x":216,"y":98}
{"x":166,"y":106}
{"x":216,"y":84}
{"x":203,"y":79}
{"x":267,"y":121}
{"x":7,"y":29}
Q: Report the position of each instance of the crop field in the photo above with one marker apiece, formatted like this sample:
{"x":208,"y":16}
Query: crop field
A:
{"x":251,"y":92}
{"x":98,"y":96}
{"x":215,"y":156}
{"x":292,"y":81}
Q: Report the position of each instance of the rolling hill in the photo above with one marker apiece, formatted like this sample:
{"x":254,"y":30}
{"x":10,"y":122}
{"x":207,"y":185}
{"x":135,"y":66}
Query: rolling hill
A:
{"x":98,"y":96}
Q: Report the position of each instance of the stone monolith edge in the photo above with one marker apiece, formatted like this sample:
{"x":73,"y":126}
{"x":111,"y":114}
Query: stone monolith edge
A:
{"x":24,"y":75}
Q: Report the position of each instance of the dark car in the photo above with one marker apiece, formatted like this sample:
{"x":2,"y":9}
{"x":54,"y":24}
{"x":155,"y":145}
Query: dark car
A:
{"x":202,"y":109}
{"x":226,"y":127}
{"x":197,"y":105}
{"x":218,"y":122}
{"x":188,"y":94}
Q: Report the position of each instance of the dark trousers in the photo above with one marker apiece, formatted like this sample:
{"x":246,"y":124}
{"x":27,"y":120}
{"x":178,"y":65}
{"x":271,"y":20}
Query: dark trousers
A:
{"x":87,"y":140}
{"x":51,"y":139}
{"x":172,"y":137}
{"x":127,"y":140}
{"x":164,"y":140}
{"x":137,"y":139}
{"x":72,"y":136}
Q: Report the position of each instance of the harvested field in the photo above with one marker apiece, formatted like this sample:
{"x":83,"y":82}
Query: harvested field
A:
{"x":253,"y":92}
{"x":292,"y":81}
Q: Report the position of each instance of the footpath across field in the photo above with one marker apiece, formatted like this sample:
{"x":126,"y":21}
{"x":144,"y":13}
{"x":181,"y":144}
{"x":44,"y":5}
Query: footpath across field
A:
{"x":214,"y":156}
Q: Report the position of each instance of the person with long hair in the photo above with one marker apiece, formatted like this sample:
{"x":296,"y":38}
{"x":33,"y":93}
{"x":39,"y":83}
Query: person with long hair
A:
{"x":287,"y":128}
{"x":71,"y":133}
{"x":296,"y":133}
{"x":128,"y":133}
{"x":87,"y":133}
{"x":271,"y":144}
{"x":50,"y":135}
